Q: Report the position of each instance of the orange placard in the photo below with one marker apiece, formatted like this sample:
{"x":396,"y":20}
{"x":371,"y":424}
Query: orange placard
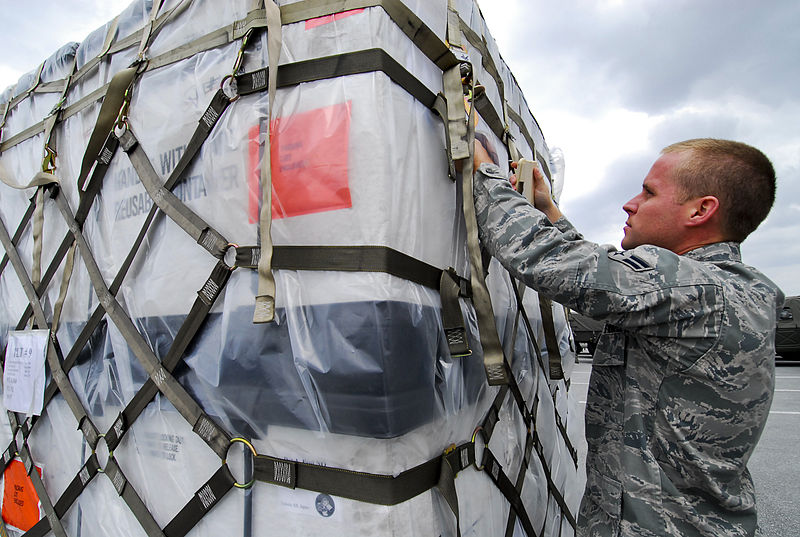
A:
{"x":20,"y":501}
{"x":309,"y":157}
{"x":319,"y":21}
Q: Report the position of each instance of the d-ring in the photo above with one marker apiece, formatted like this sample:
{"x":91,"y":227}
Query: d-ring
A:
{"x":255,"y":454}
{"x":230,"y":82}
{"x":478,"y":430}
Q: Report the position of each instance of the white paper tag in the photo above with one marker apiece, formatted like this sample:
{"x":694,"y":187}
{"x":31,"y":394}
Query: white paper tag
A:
{"x":24,"y":374}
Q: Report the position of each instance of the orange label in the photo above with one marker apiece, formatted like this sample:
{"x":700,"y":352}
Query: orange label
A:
{"x":319,"y":21}
{"x":20,"y":501}
{"x":309,"y":157}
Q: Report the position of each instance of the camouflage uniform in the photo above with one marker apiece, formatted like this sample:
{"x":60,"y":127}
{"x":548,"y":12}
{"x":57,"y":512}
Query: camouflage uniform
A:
{"x":683,"y":374}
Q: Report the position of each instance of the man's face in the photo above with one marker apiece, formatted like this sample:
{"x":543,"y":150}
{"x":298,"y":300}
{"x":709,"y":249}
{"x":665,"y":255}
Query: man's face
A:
{"x":654,"y":215}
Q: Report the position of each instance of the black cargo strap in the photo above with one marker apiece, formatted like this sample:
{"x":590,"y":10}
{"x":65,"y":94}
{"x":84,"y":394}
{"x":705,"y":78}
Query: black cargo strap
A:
{"x":351,"y":63}
{"x":416,"y":30}
{"x":219,"y":103}
{"x":205,"y":124}
{"x":351,"y":259}
{"x":528,"y":416}
{"x":495,"y":471}
{"x":452,"y":317}
{"x":169,"y":203}
{"x":553,"y":352}
{"x":203,"y":425}
{"x":540,"y":360}
{"x":17,"y":236}
{"x":377,"y":259}
{"x":126,"y":491}
{"x":489,"y":463}
{"x":73,"y":491}
{"x":379,"y":489}
{"x":206,"y":297}
{"x":87,"y":197}
{"x":57,"y":373}
{"x":493,"y":353}
{"x":511,"y":491}
{"x":201,"y":503}
{"x":512,"y":515}
{"x":47,"y":506}
{"x":516,"y":118}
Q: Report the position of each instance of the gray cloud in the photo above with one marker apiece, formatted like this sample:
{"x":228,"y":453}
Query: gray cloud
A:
{"x":653,"y":57}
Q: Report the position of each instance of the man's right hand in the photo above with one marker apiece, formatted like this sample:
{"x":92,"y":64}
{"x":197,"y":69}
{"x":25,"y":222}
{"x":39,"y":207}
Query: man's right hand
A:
{"x":542,"y":199}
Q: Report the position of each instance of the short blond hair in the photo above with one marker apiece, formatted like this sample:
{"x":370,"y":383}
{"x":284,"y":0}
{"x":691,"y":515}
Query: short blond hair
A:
{"x":740,"y":176}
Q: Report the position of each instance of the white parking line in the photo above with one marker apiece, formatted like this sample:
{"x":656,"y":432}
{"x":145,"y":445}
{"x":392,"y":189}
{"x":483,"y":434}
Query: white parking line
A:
{"x":787,"y":390}
{"x":784,"y":412}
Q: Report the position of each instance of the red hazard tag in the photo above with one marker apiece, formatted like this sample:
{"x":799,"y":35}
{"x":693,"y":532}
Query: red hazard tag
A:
{"x":20,"y":501}
{"x":319,"y":21}
{"x":309,"y":163}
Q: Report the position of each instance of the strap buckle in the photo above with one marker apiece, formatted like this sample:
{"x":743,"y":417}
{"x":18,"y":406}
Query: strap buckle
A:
{"x":49,"y":160}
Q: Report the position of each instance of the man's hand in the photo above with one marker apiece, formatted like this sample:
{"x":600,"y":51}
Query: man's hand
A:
{"x":542,"y":199}
{"x":481,"y":156}
{"x":541,"y":192}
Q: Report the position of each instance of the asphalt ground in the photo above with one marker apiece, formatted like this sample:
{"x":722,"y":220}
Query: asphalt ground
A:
{"x":775,"y":464}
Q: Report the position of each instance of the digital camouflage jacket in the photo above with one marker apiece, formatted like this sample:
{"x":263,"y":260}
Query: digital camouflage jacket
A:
{"x":683,"y":374}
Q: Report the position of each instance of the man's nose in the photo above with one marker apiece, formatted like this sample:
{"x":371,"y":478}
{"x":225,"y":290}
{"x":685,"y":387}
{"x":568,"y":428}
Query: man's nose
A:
{"x":629,"y":207}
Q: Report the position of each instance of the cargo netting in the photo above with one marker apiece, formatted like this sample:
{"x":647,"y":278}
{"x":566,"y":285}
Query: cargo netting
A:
{"x":242,"y":293}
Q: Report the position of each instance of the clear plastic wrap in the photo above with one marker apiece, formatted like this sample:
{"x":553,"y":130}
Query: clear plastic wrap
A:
{"x":355,"y":372}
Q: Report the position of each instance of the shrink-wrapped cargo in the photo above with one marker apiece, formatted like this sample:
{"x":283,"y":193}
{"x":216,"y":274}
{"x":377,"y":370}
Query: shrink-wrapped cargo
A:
{"x":153,"y":185}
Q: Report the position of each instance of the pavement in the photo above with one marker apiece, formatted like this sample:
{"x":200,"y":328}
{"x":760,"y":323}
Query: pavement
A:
{"x":775,"y":464}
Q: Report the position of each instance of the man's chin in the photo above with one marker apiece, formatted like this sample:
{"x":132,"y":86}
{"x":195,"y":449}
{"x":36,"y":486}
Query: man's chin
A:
{"x":628,"y":243}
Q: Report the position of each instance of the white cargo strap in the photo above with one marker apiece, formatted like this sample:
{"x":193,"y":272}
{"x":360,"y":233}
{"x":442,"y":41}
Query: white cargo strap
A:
{"x":148,"y":28}
{"x":265,"y":299}
{"x":493,"y":358}
{"x":38,"y":231}
{"x":454,"y":91}
{"x":41,"y":178}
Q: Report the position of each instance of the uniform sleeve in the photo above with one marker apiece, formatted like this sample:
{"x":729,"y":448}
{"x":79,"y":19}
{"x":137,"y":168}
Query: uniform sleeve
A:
{"x":645,"y":286}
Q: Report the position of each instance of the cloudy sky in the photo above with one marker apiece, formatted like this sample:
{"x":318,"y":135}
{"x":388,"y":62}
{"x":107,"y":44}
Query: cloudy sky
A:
{"x":610,"y":82}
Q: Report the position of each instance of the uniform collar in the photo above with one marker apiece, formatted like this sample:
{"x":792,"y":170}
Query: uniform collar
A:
{"x":719,"y":251}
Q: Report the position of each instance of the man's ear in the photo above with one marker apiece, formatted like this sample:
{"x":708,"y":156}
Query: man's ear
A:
{"x":703,"y":210}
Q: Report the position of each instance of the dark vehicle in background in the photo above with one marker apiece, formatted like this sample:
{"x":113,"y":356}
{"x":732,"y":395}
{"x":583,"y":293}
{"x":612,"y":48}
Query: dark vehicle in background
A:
{"x":787,"y":335}
{"x":585,"y":330}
